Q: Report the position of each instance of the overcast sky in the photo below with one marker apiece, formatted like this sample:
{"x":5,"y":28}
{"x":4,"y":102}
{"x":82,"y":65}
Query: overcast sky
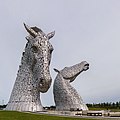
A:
{"x":85,"y":30}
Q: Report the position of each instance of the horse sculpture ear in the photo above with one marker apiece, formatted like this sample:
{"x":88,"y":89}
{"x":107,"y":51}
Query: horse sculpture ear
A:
{"x":50,"y":35}
{"x":30,"y":30}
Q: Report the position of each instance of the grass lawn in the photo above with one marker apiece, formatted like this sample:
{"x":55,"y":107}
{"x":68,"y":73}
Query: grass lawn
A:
{"x":13,"y":115}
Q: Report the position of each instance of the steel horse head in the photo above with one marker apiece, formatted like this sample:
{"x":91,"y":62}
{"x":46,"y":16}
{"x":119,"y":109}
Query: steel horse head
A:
{"x":39,"y":56}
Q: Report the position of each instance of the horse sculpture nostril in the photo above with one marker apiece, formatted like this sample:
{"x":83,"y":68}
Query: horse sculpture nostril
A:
{"x":87,"y":64}
{"x":41,"y":80}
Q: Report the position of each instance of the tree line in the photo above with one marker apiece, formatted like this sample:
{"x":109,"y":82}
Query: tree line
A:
{"x":106,"y":105}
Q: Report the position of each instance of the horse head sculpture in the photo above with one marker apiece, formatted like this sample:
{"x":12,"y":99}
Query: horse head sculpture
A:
{"x":33,"y":75}
{"x":65,"y":96}
{"x":39,"y":56}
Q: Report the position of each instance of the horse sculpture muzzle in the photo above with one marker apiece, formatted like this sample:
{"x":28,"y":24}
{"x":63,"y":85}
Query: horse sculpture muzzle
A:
{"x":44,"y":84}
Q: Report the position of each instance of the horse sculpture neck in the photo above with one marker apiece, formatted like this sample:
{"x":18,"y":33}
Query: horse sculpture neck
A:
{"x":33,"y":75}
{"x":65,"y":96}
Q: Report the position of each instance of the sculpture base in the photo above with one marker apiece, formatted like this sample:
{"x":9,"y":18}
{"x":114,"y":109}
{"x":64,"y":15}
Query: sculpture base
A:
{"x":24,"y":106}
{"x":82,"y":107}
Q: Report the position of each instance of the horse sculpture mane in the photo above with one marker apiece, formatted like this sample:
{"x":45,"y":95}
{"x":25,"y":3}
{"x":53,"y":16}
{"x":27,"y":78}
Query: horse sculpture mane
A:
{"x":65,"y":96}
{"x":33,"y":75}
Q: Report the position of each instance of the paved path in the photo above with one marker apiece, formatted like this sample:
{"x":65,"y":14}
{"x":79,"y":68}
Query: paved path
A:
{"x":84,"y":116}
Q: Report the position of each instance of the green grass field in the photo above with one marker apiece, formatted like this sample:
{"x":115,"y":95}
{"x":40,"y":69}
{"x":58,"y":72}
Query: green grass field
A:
{"x":13,"y":115}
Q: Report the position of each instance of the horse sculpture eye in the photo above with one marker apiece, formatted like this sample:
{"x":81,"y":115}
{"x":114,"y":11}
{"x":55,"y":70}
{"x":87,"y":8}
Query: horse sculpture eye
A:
{"x":35,"y":49}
